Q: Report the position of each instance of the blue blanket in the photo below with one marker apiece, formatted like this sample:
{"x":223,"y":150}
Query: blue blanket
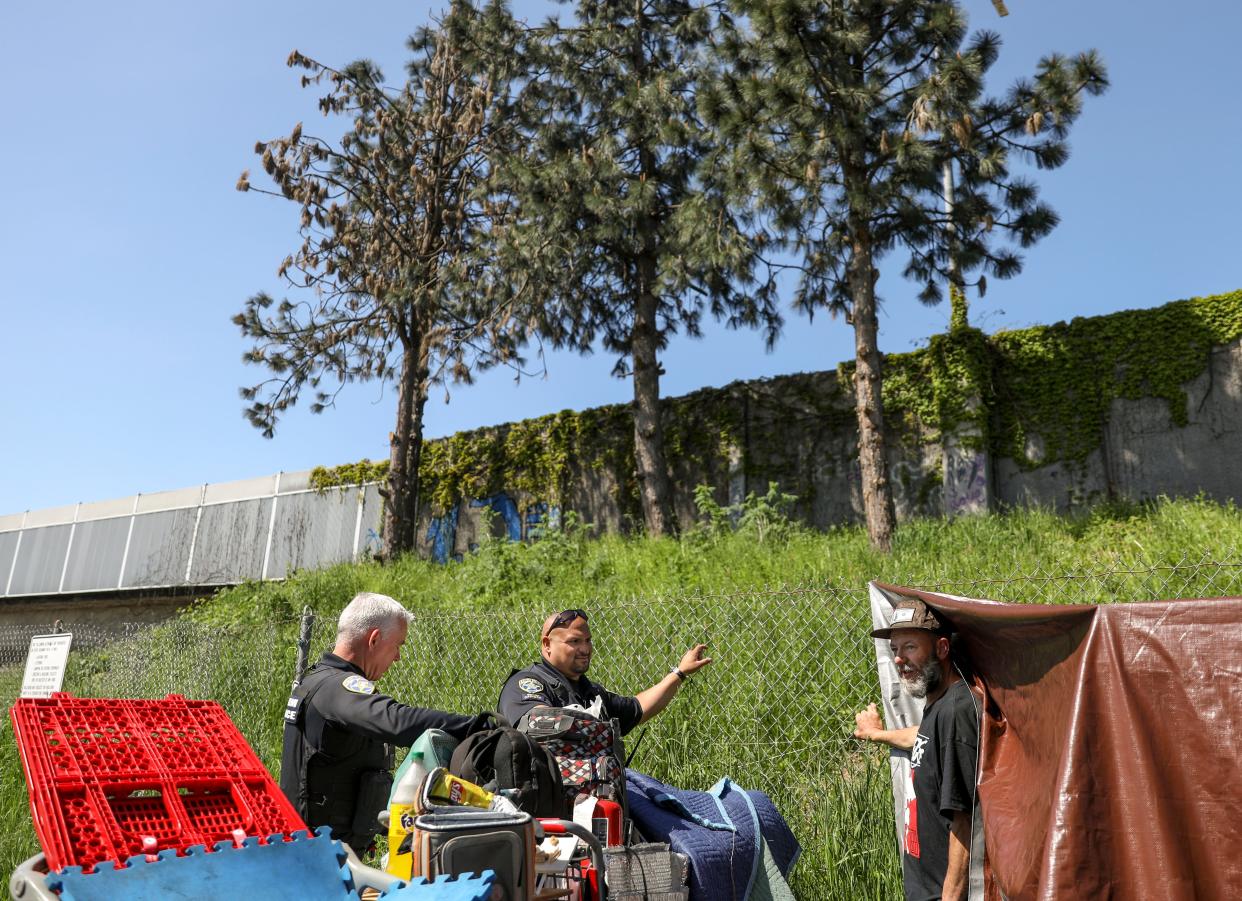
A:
{"x":721,"y":830}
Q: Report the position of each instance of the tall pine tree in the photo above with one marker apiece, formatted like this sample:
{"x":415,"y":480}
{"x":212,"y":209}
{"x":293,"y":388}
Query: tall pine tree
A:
{"x":842,"y":116}
{"x":620,"y":234}
{"x":392,"y":277}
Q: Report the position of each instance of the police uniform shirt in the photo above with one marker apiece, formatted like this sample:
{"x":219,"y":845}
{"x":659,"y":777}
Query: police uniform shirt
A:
{"x":349,"y":703}
{"x":337,"y":726}
{"x":545,"y":685}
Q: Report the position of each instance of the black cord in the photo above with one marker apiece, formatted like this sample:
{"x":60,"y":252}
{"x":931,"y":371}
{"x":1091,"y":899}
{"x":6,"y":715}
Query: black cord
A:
{"x":637,"y":742}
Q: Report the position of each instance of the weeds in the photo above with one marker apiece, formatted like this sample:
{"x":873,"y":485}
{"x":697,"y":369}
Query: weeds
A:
{"x":777,"y":708}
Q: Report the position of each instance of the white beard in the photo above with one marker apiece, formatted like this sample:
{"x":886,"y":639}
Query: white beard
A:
{"x":927,"y":679}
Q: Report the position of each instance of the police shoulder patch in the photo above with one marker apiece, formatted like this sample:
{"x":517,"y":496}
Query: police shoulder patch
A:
{"x":530,"y":686}
{"x":359,"y":684}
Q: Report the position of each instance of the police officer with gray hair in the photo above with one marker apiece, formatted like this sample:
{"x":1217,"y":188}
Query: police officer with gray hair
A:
{"x":340,"y":732}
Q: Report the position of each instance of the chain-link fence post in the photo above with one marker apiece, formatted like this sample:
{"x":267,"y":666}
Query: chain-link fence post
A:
{"x":304,"y":641}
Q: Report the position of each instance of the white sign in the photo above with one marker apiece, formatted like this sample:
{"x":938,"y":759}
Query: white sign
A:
{"x":45,"y":665}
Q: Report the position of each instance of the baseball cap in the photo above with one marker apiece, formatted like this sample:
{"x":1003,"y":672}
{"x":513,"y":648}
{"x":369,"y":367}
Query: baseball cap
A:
{"x":911,"y":613}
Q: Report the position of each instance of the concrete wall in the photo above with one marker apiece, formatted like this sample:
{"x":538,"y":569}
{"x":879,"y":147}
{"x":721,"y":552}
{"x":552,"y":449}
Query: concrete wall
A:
{"x":104,"y":611}
{"x":1143,"y":454}
{"x":141,"y":556}
{"x":799,"y":431}
{"x":796,"y":430}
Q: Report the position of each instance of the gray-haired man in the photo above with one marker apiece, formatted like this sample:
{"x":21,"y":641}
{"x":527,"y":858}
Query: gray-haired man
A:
{"x":940,"y":795}
{"x":337,"y":760}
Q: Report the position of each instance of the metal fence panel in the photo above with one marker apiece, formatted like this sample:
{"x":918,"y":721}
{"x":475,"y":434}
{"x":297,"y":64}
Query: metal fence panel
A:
{"x":94,"y":560}
{"x":8,"y":547}
{"x":230,"y":544}
{"x":159,"y":548}
{"x":41,"y":561}
{"x":313,"y":530}
{"x":372,"y":522}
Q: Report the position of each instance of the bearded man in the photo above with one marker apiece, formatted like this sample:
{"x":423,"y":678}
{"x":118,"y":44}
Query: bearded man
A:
{"x":944,"y":753}
{"x":560,"y":677}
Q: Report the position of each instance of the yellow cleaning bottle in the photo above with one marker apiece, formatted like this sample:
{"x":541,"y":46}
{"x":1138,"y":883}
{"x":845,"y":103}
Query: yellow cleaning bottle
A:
{"x":403,"y":808}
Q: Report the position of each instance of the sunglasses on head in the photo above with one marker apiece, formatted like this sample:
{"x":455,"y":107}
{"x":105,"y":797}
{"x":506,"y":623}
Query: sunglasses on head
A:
{"x":564,"y":618}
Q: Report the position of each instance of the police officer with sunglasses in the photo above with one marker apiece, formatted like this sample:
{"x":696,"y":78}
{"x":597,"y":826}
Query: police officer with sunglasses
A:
{"x":559,"y":679}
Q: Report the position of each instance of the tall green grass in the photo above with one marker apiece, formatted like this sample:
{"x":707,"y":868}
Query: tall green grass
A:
{"x":572,"y":567}
{"x":834,"y":792}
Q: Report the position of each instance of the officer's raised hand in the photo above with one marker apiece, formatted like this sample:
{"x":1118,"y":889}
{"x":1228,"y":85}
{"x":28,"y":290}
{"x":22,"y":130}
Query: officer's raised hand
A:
{"x":657,"y":697}
{"x":693,"y":660}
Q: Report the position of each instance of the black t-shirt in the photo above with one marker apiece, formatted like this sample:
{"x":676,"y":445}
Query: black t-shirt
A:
{"x":942,"y":769}
{"x":543,"y":684}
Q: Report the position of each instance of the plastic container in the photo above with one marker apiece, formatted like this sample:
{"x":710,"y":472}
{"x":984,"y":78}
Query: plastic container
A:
{"x":409,"y":779}
{"x":436,"y":746}
{"x":111,"y":778}
{"x":403,"y":809}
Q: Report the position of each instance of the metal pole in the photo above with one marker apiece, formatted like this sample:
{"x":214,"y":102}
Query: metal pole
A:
{"x":958,"y":315}
{"x":271,"y":528}
{"x":304,"y":640}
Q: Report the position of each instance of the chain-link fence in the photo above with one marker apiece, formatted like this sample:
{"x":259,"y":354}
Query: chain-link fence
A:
{"x":774,"y":711}
{"x":249,"y":671}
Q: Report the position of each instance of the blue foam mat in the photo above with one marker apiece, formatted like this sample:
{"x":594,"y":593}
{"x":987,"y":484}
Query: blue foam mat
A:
{"x":305,"y":868}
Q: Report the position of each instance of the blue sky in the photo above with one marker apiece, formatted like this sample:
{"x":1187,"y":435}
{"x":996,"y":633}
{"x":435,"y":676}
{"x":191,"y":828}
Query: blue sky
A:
{"x":125,"y":249}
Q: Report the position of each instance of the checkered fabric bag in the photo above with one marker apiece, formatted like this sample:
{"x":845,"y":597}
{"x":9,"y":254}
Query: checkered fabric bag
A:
{"x":586,"y":749}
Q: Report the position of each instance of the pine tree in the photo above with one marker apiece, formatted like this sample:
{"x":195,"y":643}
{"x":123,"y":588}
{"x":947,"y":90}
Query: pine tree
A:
{"x":393,"y":278}
{"x":625,"y":240}
{"x":842,"y":116}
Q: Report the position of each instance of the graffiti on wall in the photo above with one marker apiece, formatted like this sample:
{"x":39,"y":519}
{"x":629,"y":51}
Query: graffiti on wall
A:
{"x":966,"y":488}
{"x":459,"y":530}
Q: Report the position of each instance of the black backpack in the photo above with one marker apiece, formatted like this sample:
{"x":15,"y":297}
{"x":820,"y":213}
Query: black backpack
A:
{"x":504,"y":758}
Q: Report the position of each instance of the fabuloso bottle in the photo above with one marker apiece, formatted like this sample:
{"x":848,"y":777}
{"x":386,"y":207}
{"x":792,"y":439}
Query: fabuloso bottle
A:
{"x":402,"y":810}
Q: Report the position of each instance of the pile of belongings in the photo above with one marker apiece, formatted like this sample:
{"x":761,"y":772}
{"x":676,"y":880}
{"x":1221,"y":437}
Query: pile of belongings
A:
{"x":735,"y":843}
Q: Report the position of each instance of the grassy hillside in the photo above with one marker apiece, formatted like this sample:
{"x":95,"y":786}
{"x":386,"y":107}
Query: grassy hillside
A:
{"x":571,"y":568}
{"x":784,"y":608}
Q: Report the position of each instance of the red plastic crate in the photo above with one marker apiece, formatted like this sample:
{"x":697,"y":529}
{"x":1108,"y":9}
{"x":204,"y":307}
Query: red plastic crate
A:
{"x":104,"y":774}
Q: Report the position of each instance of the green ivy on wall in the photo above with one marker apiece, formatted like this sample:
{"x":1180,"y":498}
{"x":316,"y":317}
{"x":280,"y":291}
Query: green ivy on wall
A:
{"x":1012,"y":392}
{"x":322,"y":478}
{"x":1058,"y":382}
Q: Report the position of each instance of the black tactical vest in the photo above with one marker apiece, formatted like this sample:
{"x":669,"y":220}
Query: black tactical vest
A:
{"x":323,"y":765}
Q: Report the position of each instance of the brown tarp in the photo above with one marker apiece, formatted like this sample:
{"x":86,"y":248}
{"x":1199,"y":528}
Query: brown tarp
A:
{"x":1109,"y":745}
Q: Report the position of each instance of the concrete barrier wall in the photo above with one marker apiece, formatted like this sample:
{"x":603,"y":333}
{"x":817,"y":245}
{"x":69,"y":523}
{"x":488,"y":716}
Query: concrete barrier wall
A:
{"x":797,"y":431}
{"x":1142,"y":454}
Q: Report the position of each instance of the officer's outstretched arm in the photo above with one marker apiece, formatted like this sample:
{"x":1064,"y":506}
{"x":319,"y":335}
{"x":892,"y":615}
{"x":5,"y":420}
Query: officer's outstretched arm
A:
{"x":657,"y":697}
{"x":362,"y":709}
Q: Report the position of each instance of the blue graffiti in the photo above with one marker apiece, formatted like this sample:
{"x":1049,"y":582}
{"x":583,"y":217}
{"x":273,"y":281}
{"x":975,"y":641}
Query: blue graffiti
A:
{"x":505,"y":506}
{"x":532,"y":525}
{"x":440,"y":535}
{"x":539,"y":519}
